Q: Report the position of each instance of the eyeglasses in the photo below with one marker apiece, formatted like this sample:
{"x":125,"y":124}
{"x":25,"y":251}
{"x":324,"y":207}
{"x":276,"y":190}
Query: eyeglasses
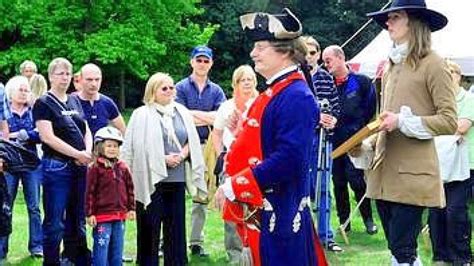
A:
{"x":166,"y":88}
{"x":312,"y":52}
{"x":205,"y":61}
{"x":67,"y":74}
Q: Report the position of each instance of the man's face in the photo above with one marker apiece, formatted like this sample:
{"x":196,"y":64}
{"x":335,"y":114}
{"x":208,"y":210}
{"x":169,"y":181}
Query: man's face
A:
{"x":90,"y":81}
{"x":28,"y":72}
{"x":201,"y":65}
{"x":332,"y":62}
{"x":267,"y":61}
{"x":60,"y":78}
{"x":313,"y":55}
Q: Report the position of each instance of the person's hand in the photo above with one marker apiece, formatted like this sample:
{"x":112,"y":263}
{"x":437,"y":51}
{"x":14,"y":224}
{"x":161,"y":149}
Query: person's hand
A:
{"x":327,"y":121}
{"x":83,"y":158}
{"x":173,"y":160}
{"x":219,"y":199}
{"x":233,"y":122}
{"x":131,"y":215}
{"x":389,"y":121}
{"x":91,"y":220}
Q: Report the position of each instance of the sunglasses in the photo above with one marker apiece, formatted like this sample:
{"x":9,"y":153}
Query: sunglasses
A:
{"x":166,"y":88}
{"x":313,"y":52}
{"x":205,"y":61}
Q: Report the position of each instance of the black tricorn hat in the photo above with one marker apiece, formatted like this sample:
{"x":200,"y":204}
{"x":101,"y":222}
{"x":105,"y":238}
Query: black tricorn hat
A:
{"x":434,"y":19}
{"x":271,"y":27}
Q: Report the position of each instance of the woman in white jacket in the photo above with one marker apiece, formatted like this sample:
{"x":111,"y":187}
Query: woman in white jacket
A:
{"x":160,"y":136}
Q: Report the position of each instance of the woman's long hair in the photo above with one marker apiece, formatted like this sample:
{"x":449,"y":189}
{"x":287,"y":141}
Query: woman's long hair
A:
{"x":419,"y":44}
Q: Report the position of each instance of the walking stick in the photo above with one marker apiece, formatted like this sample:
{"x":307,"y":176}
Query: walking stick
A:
{"x":342,"y":228}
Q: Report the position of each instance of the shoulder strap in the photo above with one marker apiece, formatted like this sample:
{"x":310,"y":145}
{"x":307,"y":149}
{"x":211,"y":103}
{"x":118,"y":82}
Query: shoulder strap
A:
{"x":61,"y":106}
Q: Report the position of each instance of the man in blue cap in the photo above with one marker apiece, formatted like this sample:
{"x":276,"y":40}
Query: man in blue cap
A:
{"x":202,"y":97}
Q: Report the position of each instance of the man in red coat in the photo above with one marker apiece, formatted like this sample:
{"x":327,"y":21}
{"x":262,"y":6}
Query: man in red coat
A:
{"x":268,"y":162}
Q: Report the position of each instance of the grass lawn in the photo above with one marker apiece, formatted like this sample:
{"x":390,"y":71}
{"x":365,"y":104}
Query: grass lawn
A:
{"x":362,"y":250}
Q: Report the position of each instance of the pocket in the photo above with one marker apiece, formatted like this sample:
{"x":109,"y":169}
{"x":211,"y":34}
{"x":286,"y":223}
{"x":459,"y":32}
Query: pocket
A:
{"x":418,"y":167}
{"x":52,"y":165}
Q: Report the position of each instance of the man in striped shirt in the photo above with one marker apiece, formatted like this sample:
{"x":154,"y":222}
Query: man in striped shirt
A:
{"x":326,"y":93}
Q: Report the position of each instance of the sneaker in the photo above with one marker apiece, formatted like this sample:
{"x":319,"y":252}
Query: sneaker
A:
{"x":127,"y":258}
{"x":333,"y":247}
{"x":37,"y":254}
{"x":370,"y":227}
{"x":198,"y":250}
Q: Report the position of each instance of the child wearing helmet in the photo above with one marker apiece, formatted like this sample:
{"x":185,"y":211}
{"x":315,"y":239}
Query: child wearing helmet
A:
{"x":109,"y":197}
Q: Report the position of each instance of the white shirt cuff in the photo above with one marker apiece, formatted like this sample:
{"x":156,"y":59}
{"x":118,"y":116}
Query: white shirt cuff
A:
{"x":227,"y":188}
{"x":411,"y":125}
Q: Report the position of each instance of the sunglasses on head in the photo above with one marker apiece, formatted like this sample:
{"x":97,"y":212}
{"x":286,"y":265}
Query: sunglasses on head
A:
{"x":166,"y":88}
{"x":205,"y":61}
{"x":313,"y":52}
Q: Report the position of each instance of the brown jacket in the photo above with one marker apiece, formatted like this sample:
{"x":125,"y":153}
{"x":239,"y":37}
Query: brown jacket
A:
{"x":406,"y":170}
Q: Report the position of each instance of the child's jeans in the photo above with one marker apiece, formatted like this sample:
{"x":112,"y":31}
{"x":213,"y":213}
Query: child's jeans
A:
{"x":108,"y":243}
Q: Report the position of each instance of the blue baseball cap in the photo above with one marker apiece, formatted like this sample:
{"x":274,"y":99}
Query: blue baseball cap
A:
{"x":201,"y":50}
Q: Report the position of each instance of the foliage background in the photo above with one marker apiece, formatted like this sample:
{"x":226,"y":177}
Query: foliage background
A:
{"x":130,"y":40}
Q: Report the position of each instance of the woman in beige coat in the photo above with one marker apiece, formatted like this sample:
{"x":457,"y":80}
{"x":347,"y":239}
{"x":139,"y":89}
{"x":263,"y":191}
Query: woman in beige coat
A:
{"x":418,"y":103}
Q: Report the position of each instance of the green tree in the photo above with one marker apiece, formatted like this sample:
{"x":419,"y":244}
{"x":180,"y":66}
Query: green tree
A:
{"x":129,"y":39}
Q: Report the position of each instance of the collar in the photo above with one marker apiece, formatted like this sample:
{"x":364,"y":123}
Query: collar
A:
{"x":338,"y":81}
{"x":280,"y":74}
{"x":398,"y":53}
{"x":195,"y":85}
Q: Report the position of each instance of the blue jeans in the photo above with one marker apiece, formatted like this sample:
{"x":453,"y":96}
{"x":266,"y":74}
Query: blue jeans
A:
{"x":325,"y":231}
{"x":108,"y":243}
{"x":31,"y":182}
{"x":63,"y":200}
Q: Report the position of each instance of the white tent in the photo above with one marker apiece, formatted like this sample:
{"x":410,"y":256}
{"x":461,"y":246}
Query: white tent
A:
{"x":455,"y":41}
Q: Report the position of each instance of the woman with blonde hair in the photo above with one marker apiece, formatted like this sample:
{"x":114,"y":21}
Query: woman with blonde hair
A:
{"x":417,"y":104}
{"x":244,"y":83}
{"x":160,"y":136}
{"x":38,"y":87}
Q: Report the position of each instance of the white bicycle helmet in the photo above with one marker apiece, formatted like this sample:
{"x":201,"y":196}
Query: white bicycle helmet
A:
{"x":108,"y":133}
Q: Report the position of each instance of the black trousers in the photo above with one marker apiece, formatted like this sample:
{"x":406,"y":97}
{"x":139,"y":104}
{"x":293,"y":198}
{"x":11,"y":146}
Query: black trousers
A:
{"x":167,"y":208}
{"x":402,"y":225}
{"x":344,"y":173}
{"x":450,"y":227}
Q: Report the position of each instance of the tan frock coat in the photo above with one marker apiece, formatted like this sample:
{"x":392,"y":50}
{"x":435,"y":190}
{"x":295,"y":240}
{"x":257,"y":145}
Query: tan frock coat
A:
{"x":405,"y":170}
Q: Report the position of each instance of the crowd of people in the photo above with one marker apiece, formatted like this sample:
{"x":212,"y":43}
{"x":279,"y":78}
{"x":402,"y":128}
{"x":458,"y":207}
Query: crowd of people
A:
{"x":272,"y":162}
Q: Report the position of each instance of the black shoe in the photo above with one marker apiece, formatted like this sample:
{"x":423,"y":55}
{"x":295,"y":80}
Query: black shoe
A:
{"x":333,"y":246}
{"x":370,"y":227}
{"x":37,"y":254}
{"x":198,"y":250}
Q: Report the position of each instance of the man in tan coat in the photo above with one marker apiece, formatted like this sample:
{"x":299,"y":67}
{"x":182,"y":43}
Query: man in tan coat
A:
{"x":417,"y":104}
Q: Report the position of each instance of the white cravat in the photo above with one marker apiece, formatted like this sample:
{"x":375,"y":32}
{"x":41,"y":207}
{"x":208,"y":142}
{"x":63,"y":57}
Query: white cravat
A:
{"x":398,"y":52}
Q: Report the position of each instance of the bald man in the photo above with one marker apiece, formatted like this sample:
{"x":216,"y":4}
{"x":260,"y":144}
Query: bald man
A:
{"x":358,"y":104}
{"x":99,"y":110}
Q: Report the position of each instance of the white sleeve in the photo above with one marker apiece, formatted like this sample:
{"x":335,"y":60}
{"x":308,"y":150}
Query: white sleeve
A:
{"x":228,"y":191}
{"x":366,"y":157}
{"x":411,"y":125}
{"x":222,"y":115}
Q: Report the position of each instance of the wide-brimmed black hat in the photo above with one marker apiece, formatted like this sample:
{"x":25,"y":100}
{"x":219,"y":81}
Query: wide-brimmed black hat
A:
{"x":271,"y":27}
{"x":434,"y":19}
